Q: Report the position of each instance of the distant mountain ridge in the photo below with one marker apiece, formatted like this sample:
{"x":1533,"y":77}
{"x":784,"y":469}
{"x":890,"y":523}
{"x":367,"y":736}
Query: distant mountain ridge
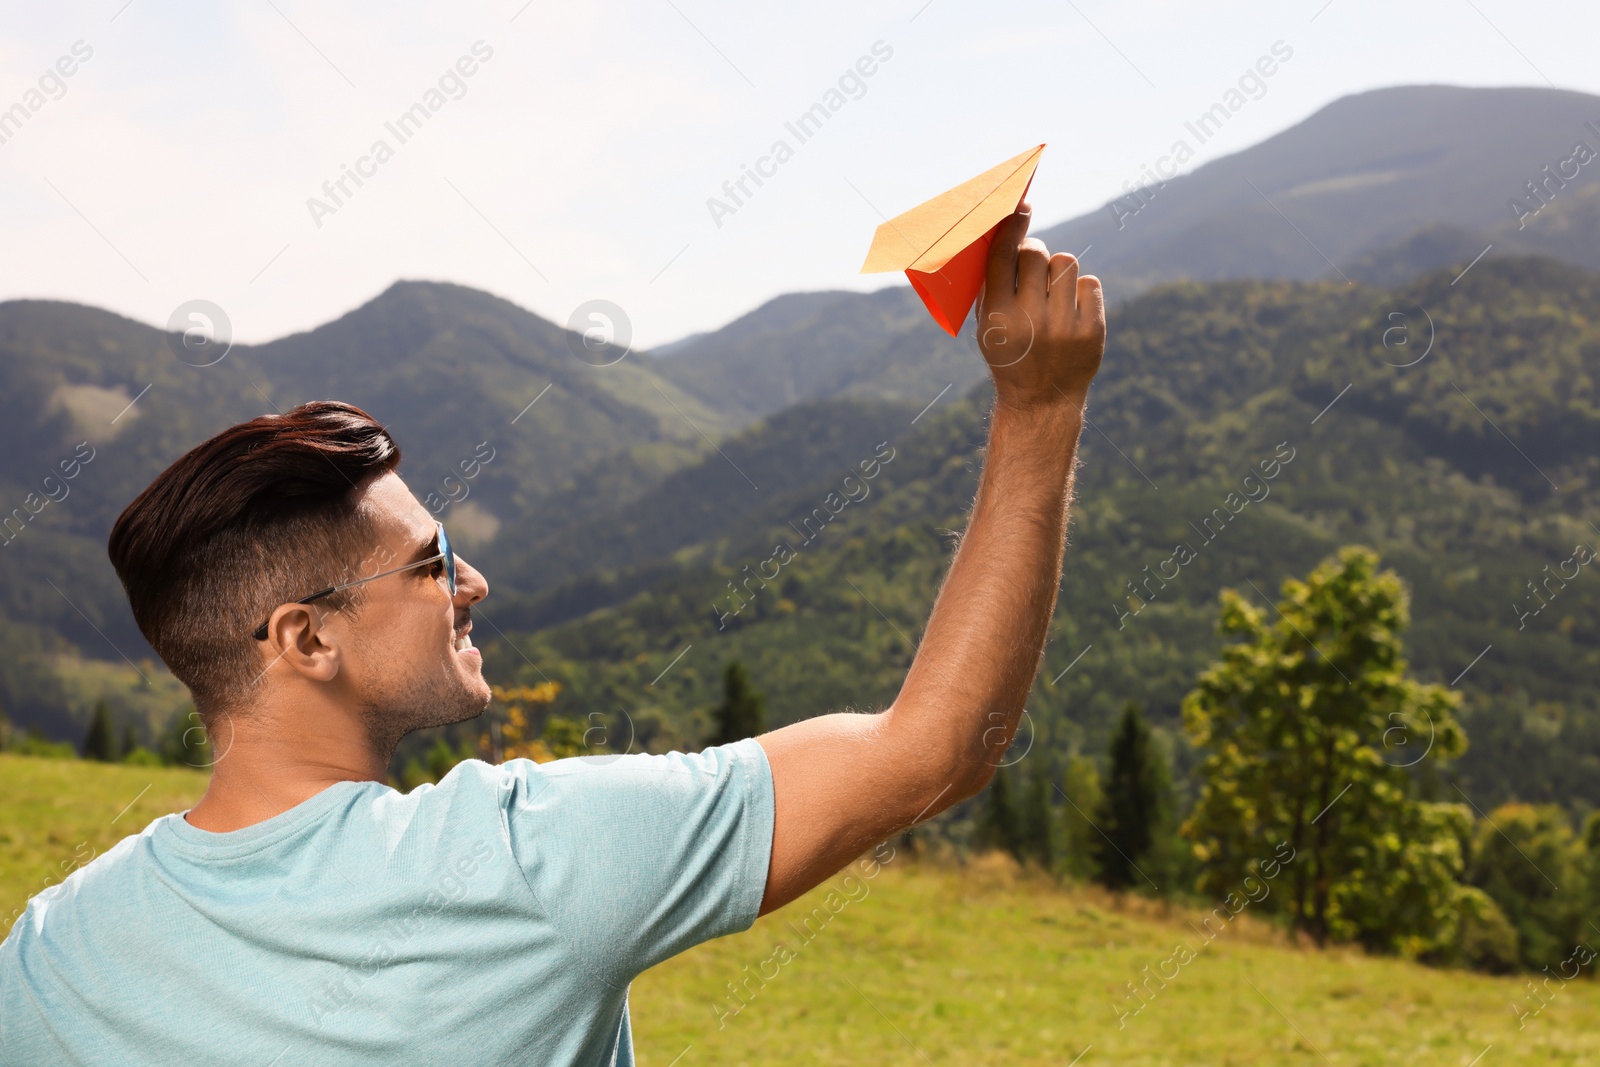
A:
{"x":1379,"y":187}
{"x":1360,"y":174}
{"x":808,"y":346}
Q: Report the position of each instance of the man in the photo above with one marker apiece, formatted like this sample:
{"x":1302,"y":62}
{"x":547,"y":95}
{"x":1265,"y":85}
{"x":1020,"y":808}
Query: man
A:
{"x":303,"y":912}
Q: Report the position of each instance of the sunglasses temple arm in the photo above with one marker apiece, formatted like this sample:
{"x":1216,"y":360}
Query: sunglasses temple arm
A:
{"x":260,"y":632}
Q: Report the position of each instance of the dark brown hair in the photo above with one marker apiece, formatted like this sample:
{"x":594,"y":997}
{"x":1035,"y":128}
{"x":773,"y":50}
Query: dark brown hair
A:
{"x":260,"y":515}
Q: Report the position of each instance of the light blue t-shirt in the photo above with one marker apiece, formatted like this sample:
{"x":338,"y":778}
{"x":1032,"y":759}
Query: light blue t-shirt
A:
{"x":496,"y":918}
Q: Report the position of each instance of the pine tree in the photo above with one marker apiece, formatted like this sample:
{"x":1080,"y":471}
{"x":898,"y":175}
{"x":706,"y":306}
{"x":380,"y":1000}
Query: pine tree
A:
{"x":1038,"y":817}
{"x":1081,"y":801}
{"x":742,"y":712}
{"x":1000,"y":824}
{"x":100,"y":743}
{"x":184,"y":742}
{"x":1133,"y":807}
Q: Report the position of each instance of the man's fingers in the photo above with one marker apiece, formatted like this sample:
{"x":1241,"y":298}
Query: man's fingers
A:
{"x":1001,"y":281}
{"x":1064,"y":279}
{"x":1033,"y":268}
{"x":1061,"y":303}
{"x":1092,"y":301}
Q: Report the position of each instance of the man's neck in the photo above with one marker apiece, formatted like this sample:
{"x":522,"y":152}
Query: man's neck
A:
{"x":271,"y":763}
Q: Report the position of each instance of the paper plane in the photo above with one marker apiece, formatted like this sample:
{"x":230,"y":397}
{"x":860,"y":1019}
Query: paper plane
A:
{"x":943,"y":245}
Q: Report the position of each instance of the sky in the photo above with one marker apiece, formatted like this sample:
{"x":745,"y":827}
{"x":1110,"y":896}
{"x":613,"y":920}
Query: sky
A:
{"x":568,"y":153}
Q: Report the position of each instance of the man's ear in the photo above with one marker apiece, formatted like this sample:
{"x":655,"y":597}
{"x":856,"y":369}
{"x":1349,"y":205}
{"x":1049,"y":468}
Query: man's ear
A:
{"x":298,"y":640}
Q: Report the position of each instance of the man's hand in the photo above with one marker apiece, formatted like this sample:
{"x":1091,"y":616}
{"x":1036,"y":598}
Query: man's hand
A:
{"x":1041,"y":328}
{"x":843,"y":783}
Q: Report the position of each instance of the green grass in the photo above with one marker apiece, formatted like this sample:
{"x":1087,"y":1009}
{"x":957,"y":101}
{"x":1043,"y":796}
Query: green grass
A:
{"x":56,"y":815}
{"x":983,"y":966}
{"x":938,"y":966}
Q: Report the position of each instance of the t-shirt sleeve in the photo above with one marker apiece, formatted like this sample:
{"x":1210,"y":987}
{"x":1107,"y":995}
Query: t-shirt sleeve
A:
{"x":637,"y":858}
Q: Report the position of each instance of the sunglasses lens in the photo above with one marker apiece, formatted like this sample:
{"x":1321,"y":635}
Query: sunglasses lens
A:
{"x":449,"y":559}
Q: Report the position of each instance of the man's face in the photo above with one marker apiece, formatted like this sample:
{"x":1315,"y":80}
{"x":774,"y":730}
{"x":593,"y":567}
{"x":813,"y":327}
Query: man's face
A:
{"x":405,"y":652}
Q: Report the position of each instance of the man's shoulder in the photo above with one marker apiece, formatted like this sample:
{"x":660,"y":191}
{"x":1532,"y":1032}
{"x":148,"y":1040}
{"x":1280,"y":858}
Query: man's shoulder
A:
{"x":108,"y":873}
{"x":522,"y":781}
{"x":468,"y":776}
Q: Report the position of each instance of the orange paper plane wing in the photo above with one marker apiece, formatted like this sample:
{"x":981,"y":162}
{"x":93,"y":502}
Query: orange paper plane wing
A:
{"x":943,"y":245}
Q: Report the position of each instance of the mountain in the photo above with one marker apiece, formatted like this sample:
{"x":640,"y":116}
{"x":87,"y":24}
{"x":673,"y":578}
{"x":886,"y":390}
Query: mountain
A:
{"x":706,"y":503}
{"x":451,"y":371}
{"x":1358,"y":175}
{"x":674,"y":346}
{"x":1567,"y":229}
{"x":1471,"y":470}
{"x":807,"y":346}
{"x":1387,"y":184}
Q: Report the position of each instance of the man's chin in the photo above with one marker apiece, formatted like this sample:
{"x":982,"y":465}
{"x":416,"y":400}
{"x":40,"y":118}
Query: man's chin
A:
{"x":480,"y":690}
{"x":455,"y":695}
{"x":471,"y":702}
{"x":474,"y":693}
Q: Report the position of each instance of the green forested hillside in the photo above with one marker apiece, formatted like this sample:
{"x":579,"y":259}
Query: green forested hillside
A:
{"x":1469,"y":468}
{"x":806,"y":346}
{"x":750,"y":477}
{"x":1204,"y":386}
{"x":1380,"y":187}
{"x":1513,"y":361}
{"x":448,"y":369}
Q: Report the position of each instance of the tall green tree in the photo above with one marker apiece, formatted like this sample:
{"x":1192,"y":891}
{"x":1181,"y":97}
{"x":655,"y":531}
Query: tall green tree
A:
{"x":1000,"y":822}
{"x":742,"y":712}
{"x":1037,"y":823}
{"x":439,"y":760}
{"x":185,"y":742}
{"x":1590,"y":852}
{"x":100,"y":743}
{"x":1527,"y":860}
{"x":1080,"y":788}
{"x":1304,"y":774}
{"x":1133,"y":806}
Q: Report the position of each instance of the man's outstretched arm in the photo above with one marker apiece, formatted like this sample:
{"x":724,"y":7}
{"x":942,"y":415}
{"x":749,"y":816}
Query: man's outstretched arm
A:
{"x":845,"y":782}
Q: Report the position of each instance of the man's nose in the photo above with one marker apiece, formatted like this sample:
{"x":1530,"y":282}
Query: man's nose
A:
{"x":471,"y":585}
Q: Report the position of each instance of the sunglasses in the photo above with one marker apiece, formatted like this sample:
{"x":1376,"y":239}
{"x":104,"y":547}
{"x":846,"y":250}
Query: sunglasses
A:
{"x":446,"y":553}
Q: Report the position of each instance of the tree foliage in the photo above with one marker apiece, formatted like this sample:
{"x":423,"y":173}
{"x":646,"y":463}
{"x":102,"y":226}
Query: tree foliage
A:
{"x":1135,"y":805}
{"x":742,"y":712}
{"x":1038,"y":825}
{"x":1000,"y":820}
{"x":439,"y":759}
{"x":185,"y":742}
{"x":512,"y":730}
{"x":100,"y":743}
{"x":1527,"y":860}
{"x":1081,"y":792}
{"x":1302,"y":721}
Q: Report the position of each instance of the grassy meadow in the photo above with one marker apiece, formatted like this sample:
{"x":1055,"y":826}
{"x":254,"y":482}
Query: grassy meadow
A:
{"x":986,"y":966}
{"x":931,"y":965}
{"x":56,"y":815}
